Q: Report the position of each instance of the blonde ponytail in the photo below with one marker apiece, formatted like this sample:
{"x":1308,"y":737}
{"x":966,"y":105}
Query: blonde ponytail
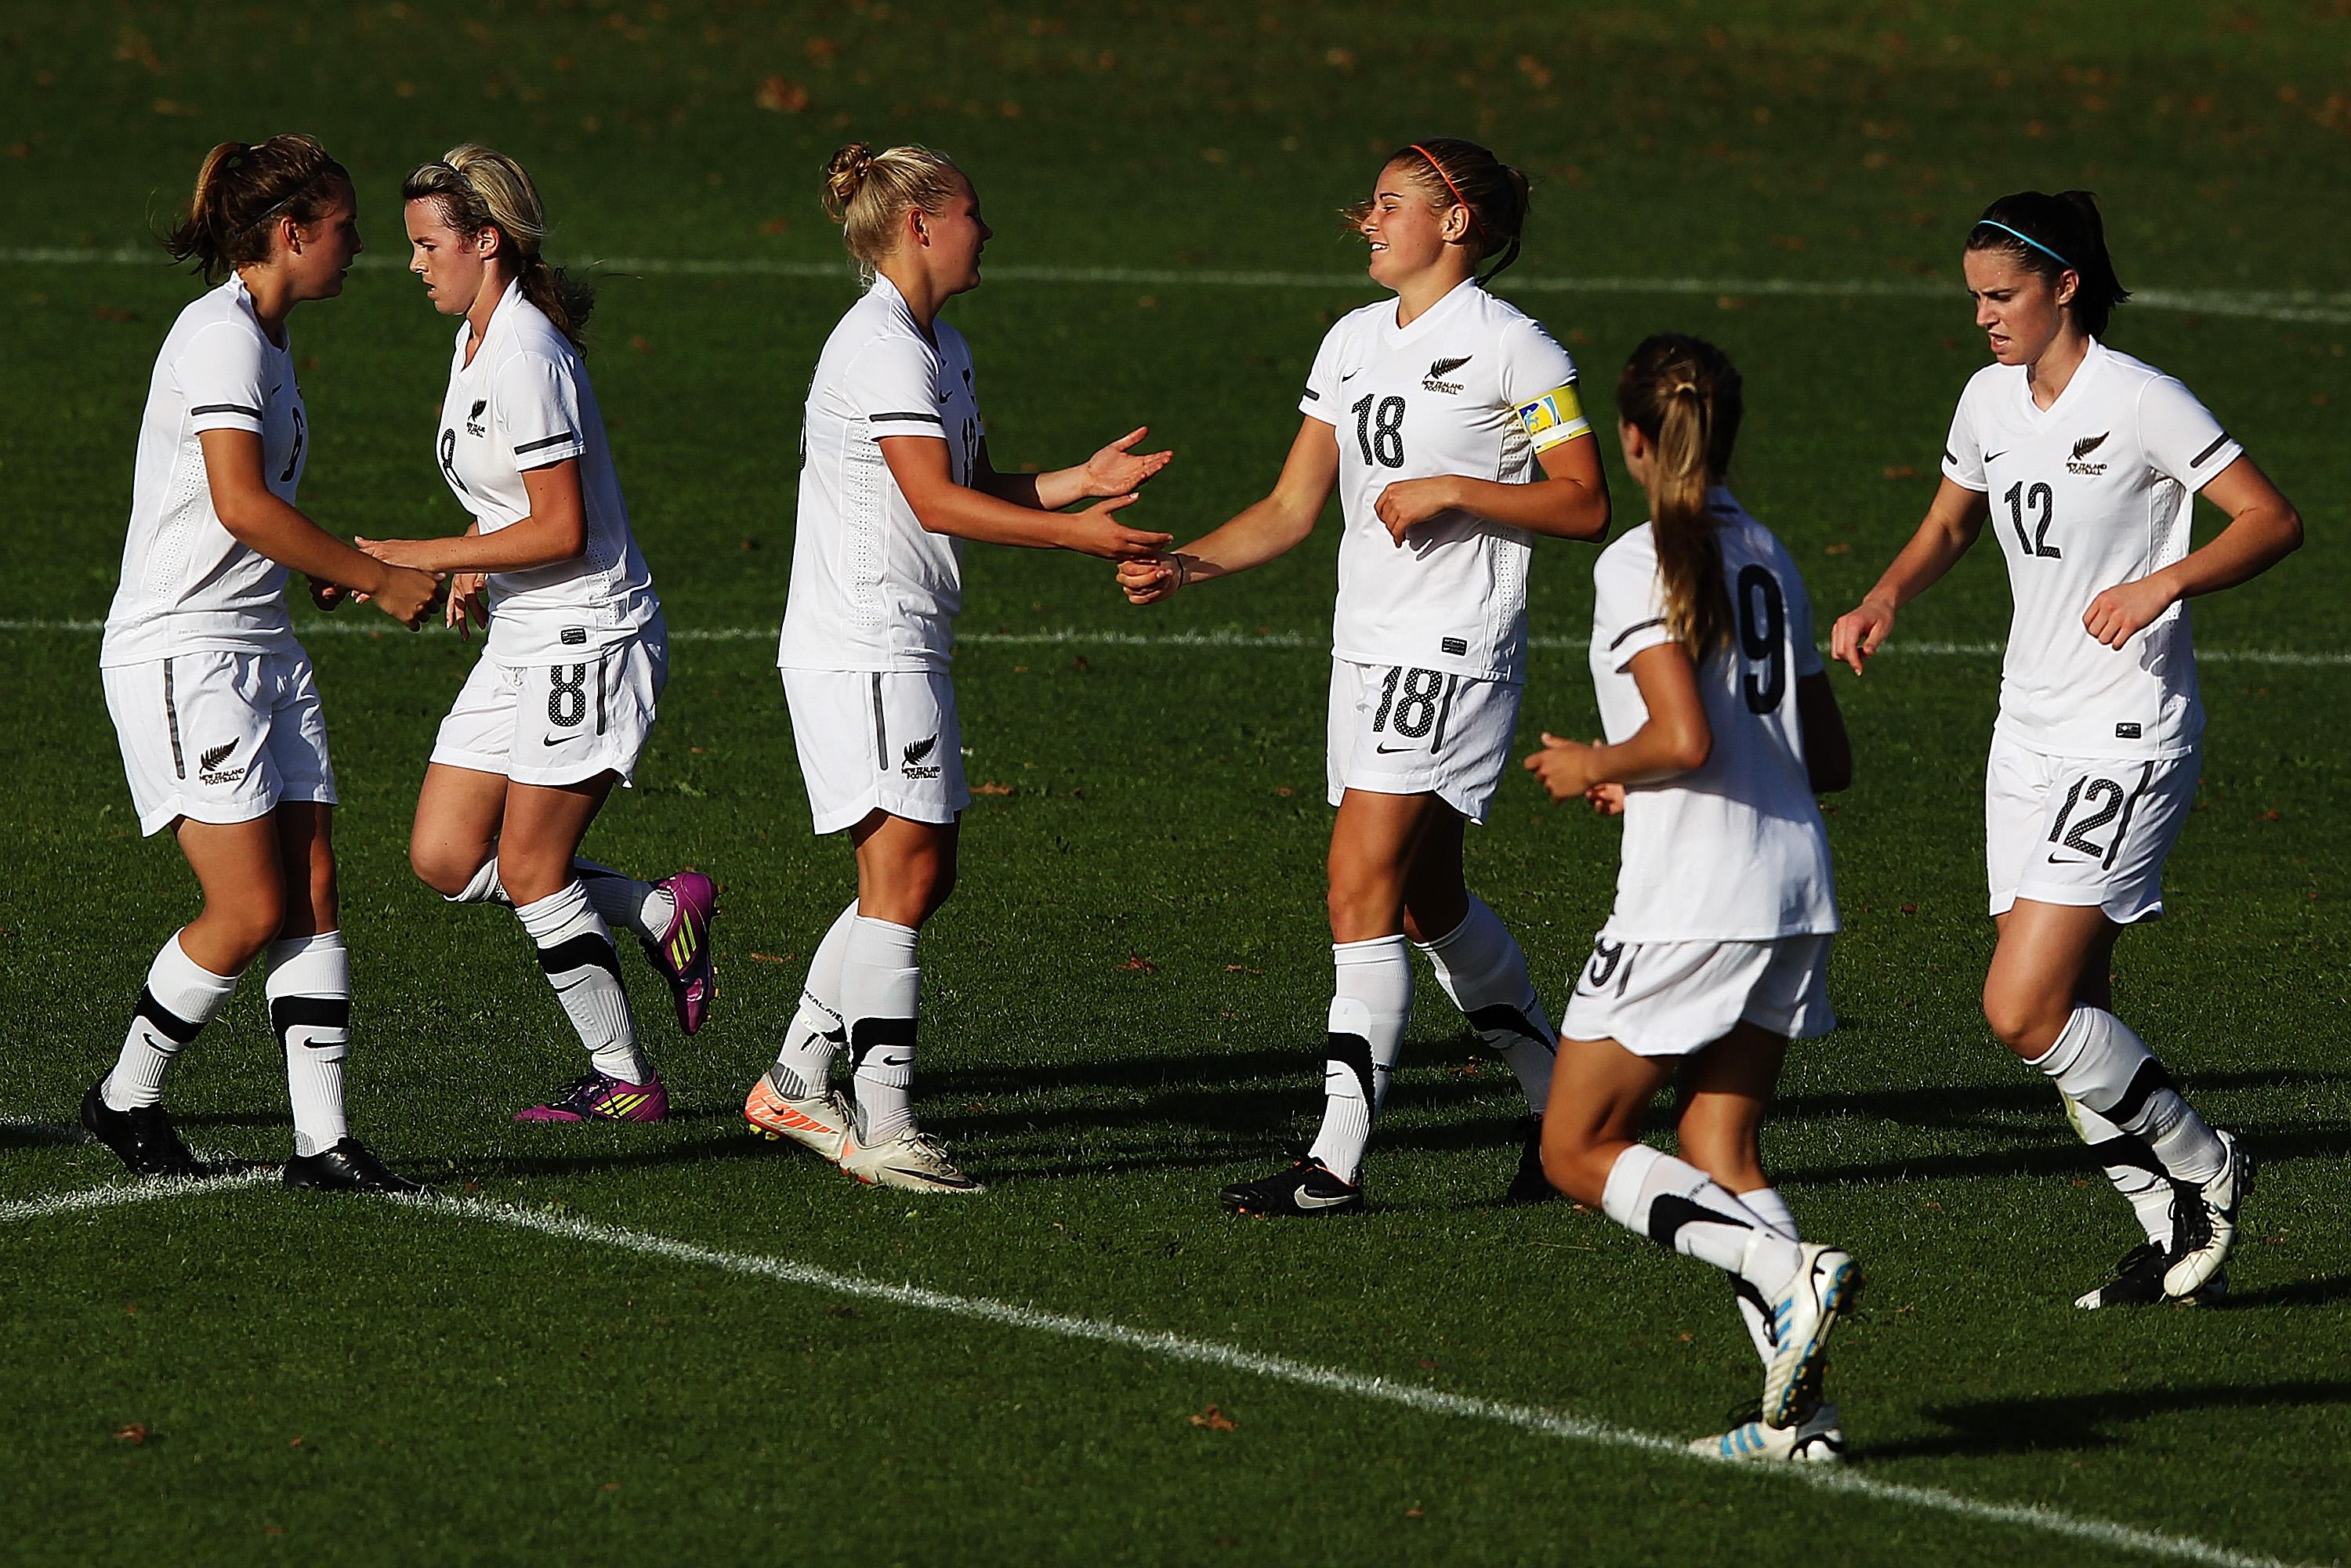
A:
{"x":1684,"y":394}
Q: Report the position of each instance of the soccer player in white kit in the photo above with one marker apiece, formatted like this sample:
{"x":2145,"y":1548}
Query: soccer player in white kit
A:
{"x":562,"y":704}
{"x":223,"y":739}
{"x":894,"y":477}
{"x":1721,"y":726}
{"x":2085,"y":462}
{"x":1447,"y":420}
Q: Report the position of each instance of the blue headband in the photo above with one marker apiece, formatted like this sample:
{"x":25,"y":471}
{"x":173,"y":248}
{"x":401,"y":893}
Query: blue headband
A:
{"x":1989,"y":224}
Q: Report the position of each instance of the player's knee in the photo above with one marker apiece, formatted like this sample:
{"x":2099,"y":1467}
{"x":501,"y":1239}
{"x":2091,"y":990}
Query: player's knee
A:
{"x":250,"y":923}
{"x":1567,"y":1160}
{"x":2024,"y":1023}
{"x":441,"y":869}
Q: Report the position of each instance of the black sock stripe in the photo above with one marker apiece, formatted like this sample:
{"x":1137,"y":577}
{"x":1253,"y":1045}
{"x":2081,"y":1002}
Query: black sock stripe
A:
{"x":1670,"y":1211}
{"x":1353,"y":1053}
{"x":1502,"y":1015}
{"x":308,"y":1012}
{"x":585,"y":951}
{"x":2145,"y":1084}
{"x":1746,"y":1290}
{"x":2127,"y":1151}
{"x":165,"y":1022}
{"x":866,"y":1034}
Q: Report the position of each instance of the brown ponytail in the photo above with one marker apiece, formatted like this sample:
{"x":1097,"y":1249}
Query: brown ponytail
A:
{"x":477,"y":189}
{"x":1684,"y":394}
{"x":242,"y":188}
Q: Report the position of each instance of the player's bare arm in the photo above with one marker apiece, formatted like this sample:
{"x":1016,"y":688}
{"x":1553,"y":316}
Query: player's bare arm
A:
{"x":1272,"y":527}
{"x":1570,"y":502}
{"x":556,"y":530}
{"x":257,"y":519}
{"x":2263,"y":528}
{"x":1116,"y":470}
{"x":919,"y":464}
{"x":1675,"y":741}
{"x":1953,"y":524}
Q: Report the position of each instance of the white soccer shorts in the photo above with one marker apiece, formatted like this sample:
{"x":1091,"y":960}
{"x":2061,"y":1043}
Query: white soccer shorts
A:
{"x":2082,"y":830}
{"x":1396,"y":730}
{"x":558,"y":723}
{"x":873,"y":740}
{"x":219,"y":737}
{"x":1673,"y":999}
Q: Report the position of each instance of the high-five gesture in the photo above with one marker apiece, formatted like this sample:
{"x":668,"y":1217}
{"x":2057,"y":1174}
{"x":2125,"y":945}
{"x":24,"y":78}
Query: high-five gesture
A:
{"x":1118,"y":469}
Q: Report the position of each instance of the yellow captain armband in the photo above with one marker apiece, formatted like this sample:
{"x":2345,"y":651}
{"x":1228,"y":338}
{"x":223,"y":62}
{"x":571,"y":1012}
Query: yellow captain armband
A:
{"x":1556,"y":416}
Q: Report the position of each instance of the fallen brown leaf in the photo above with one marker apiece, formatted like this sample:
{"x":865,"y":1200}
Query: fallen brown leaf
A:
{"x":1216,"y":1420}
{"x":1900,"y":471}
{"x":780,"y":97}
{"x":991,"y":788}
{"x":131,"y":1432}
{"x":766,"y":959}
{"x":1136,"y":961}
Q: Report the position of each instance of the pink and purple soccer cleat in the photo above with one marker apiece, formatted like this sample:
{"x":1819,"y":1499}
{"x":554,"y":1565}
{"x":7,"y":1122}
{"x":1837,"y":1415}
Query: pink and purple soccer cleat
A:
{"x":682,"y":954}
{"x":596,"y":1098}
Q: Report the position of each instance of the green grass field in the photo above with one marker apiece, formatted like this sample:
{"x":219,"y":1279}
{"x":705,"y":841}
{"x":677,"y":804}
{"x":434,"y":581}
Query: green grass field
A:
{"x":680,"y":1344}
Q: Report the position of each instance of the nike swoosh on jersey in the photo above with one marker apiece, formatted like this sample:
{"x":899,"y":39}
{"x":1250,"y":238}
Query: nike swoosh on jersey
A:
{"x":1995,"y":457}
{"x":1350,"y":375}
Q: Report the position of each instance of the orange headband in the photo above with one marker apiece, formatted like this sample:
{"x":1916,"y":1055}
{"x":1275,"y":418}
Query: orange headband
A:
{"x":1452,"y":187}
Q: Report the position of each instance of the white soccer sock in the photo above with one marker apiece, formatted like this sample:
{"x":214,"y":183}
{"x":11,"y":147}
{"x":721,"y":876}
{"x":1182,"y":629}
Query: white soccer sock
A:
{"x":575,"y":948}
{"x":485,"y":888}
{"x":1368,"y":1013}
{"x":2130,"y":1164}
{"x":818,"y":1030}
{"x":310,"y":990}
{"x":625,"y":903}
{"x":2100,"y":1064}
{"x":181,"y":997}
{"x":1769,"y":1208}
{"x":1678,"y":1205}
{"x":1482,"y":968}
{"x":880,"y":990}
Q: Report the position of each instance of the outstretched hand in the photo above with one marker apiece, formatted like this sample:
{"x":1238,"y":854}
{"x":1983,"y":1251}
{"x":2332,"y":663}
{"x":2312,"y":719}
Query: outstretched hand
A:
{"x":1097,"y":531}
{"x":1118,"y":470}
{"x":1565,"y":770}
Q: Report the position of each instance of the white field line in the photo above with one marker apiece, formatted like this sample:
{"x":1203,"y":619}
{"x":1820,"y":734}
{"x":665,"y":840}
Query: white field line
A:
{"x":1085,"y":637}
{"x":1173,"y":1346}
{"x":1527,"y":1419}
{"x":115,"y":1194}
{"x":2299,"y":305}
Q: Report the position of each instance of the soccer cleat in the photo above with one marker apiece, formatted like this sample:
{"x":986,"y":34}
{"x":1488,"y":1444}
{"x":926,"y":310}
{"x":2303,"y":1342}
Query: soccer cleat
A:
{"x":1307,"y":1187}
{"x":2138,"y":1282}
{"x":1827,"y":1284}
{"x":142,"y":1137}
{"x":596,"y":1098}
{"x":349,"y":1167}
{"x":1815,"y":1437}
{"x":2204,"y":1223}
{"x":911,"y":1160}
{"x":821,"y":1122}
{"x":682,"y":954}
{"x":1530,"y":1185}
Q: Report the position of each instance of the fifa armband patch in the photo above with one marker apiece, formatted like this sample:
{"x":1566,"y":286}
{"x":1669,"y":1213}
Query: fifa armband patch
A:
{"x":1556,"y":416}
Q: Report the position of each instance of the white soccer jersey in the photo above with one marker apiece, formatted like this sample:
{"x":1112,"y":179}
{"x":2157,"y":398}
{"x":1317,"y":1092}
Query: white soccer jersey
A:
{"x":525,"y":402}
{"x":1473,"y":387}
{"x":187,"y":584}
{"x":2092,"y":491}
{"x":872,"y":588}
{"x":1736,"y":850}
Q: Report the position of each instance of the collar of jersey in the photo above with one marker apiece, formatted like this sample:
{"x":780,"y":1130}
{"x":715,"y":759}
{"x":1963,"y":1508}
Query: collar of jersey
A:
{"x":489,"y":328}
{"x":1396,"y":337}
{"x":2039,"y":418}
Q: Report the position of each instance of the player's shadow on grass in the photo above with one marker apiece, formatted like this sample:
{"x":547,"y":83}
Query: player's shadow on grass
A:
{"x":2060,"y":1155}
{"x":2078,"y":1423}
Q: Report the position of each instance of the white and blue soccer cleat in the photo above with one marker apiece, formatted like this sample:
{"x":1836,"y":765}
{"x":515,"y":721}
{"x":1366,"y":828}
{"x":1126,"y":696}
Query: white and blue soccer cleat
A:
{"x":1815,"y":1438}
{"x":1826,"y":1284}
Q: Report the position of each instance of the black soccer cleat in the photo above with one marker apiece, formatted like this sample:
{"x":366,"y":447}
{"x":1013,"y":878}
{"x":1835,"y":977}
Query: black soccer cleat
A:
{"x":142,"y":1137}
{"x":349,"y":1166}
{"x":1305,"y":1189}
{"x":2138,"y":1282}
{"x":1530,"y":1185}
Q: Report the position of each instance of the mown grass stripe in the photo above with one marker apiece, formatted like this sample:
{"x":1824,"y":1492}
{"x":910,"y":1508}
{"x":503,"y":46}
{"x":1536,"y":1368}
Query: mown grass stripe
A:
{"x":1529,"y":1418}
{"x":1086,"y":637}
{"x":2277,"y":305}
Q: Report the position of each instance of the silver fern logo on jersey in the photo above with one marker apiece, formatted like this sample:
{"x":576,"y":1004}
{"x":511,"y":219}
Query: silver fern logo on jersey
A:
{"x":913,"y":766}
{"x":2082,"y":449}
{"x":1440,"y":368}
{"x":473,"y":425}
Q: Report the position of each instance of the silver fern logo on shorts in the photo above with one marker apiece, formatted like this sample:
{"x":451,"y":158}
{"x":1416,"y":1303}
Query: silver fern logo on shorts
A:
{"x":208,"y":764}
{"x":913,"y":767}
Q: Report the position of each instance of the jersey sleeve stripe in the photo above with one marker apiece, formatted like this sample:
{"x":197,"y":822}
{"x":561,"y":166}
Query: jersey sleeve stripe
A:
{"x":1314,"y":396}
{"x":2196,"y":462}
{"x":906,"y":417}
{"x":1637,"y":626}
{"x":550,"y":441}
{"x":255,"y":413}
